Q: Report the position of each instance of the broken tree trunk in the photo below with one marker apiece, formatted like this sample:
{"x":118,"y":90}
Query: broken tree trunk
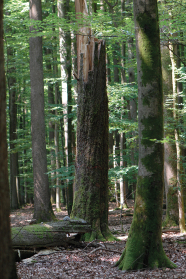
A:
{"x":47,"y":234}
{"x":91,"y":176}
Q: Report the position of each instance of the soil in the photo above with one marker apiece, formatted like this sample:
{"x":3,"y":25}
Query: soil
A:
{"x":96,"y":259}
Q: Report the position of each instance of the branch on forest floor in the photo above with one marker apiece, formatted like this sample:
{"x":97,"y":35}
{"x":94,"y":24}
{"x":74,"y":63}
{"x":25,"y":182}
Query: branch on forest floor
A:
{"x":171,"y":230}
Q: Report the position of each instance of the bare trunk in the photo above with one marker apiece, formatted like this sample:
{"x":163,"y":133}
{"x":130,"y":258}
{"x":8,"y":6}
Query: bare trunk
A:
{"x":42,"y":206}
{"x":173,"y":50}
{"x":65,"y":59}
{"x":13,"y":133}
{"x":170,"y":168}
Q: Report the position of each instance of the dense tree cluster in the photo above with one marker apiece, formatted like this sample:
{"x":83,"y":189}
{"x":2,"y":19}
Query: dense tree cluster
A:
{"x":57,"y":87}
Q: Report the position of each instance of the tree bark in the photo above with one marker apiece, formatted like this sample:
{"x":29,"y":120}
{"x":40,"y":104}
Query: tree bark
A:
{"x":66,"y":68}
{"x":42,"y":206}
{"x":47,"y":234}
{"x":91,"y":177}
{"x":144,"y":245}
{"x":7,"y":264}
{"x":173,"y":51}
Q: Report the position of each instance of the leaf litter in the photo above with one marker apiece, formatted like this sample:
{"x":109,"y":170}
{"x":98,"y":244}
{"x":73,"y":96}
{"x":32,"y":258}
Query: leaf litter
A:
{"x":96,"y":259}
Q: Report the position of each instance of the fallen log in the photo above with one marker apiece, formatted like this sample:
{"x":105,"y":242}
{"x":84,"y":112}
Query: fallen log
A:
{"x":47,"y":234}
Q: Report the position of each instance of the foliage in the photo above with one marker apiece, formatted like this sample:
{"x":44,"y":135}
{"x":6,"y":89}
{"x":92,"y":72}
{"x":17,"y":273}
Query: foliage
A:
{"x":114,"y":27}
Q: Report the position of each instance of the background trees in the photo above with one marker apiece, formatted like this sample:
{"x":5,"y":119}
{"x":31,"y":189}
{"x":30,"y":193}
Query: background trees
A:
{"x":109,"y":21}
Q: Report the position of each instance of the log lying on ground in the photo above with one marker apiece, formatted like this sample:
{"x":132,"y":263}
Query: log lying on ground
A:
{"x":47,"y":234}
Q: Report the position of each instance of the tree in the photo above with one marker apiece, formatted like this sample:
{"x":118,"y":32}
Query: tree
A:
{"x":170,"y":166}
{"x":13,"y":134}
{"x":177,"y":105}
{"x":91,"y":177}
{"x":7,"y":264}
{"x":66,"y":69}
{"x":42,"y":206}
{"x":144,"y":245}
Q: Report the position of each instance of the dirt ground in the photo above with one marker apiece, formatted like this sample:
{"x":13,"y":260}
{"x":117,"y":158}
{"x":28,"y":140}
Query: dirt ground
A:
{"x":97,"y":259}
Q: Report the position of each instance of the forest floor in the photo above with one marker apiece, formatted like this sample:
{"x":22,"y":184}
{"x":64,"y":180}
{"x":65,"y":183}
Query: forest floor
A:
{"x":96,"y":259}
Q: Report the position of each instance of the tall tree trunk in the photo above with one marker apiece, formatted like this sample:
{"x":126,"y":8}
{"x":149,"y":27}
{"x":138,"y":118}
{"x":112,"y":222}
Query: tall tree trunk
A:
{"x":66,"y":68}
{"x":91,"y":177}
{"x":51,"y":123}
{"x":7,"y":264}
{"x":12,"y":132}
{"x":144,"y":245}
{"x":56,"y":142}
{"x":133,"y":109}
{"x":170,"y":168}
{"x":173,"y":51}
{"x":42,"y":205}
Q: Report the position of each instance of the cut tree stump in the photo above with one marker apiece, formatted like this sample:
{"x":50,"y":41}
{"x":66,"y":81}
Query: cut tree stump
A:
{"x":47,"y":234}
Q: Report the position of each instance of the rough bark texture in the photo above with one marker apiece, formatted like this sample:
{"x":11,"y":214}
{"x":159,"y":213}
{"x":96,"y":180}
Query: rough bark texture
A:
{"x":48,"y":234}
{"x":91,"y":178}
{"x":42,"y":206}
{"x":7,"y":265}
{"x":144,"y":245}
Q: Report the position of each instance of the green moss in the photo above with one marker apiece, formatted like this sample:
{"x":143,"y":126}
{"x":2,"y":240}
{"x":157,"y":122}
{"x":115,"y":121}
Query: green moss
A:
{"x":38,"y":230}
{"x":153,"y":130}
{"x":15,"y":232}
{"x":137,"y":254}
{"x":148,"y":47}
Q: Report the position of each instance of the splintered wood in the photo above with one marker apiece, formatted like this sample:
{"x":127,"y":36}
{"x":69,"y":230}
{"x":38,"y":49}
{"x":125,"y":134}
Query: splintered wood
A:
{"x":85,"y":40}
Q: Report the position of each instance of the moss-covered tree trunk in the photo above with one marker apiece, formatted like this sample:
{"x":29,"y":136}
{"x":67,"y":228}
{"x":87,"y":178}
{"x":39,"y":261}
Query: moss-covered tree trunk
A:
{"x":144,"y":245}
{"x":91,"y":177}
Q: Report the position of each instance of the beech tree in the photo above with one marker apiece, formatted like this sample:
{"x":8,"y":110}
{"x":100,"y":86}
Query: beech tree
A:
{"x":144,"y":245}
{"x":7,"y":264}
{"x":42,"y":205}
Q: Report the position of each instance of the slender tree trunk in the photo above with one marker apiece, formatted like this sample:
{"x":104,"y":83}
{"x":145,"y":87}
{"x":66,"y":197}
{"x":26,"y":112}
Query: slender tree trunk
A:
{"x":42,"y":205}
{"x":133,"y":108}
{"x":144,"y":245}
{"x":173,"y":50}
{"x":56,"y":143}
{"x":51,"y":123}
{"x":13,"y":133}
{"x":66,"y":68}
{"x":7,"y":264}
{"x":170,"y":168}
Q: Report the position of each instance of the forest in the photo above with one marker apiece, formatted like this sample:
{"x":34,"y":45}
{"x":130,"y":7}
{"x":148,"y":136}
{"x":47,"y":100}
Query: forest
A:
{"x":93,"y":114}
